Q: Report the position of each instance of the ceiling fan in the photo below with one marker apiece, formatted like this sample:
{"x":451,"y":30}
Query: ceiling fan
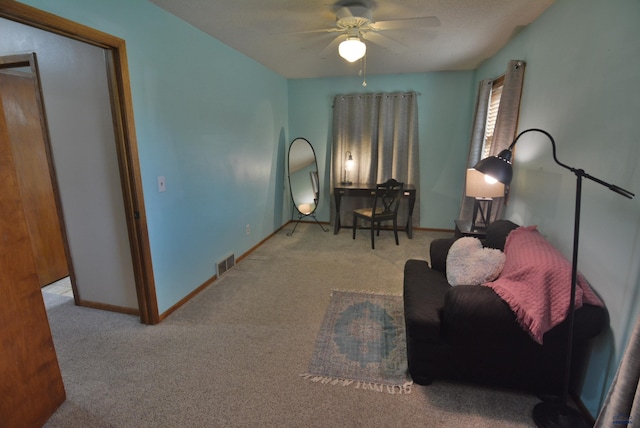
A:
{"x":355,"y":23}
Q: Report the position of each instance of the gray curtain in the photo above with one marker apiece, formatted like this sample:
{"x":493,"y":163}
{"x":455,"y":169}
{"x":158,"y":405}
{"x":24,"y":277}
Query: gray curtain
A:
{"x":622,"y":405}
{"x":505,"y":129}
{"x":381,"y":132}
{"x":477,"y":137}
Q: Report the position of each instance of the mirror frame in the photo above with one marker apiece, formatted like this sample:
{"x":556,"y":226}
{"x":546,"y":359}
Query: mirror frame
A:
{"x":313,"y":179}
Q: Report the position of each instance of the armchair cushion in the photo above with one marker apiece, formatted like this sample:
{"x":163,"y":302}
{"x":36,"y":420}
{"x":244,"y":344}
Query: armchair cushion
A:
{"x":476,"y":315}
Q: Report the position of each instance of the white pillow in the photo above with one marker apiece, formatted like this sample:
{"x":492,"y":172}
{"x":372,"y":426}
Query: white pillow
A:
{"x":469,"y":263}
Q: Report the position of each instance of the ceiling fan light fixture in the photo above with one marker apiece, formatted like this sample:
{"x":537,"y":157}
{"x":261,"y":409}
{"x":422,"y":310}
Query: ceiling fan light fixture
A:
{"x":352,"y":49}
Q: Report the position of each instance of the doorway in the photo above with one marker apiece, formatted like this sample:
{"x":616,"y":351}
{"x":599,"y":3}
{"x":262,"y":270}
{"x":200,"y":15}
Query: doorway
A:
{"x":121,"y":188}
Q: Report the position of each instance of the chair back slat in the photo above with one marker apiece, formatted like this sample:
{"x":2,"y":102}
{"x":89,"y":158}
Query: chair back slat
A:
{"x":387,"y":198}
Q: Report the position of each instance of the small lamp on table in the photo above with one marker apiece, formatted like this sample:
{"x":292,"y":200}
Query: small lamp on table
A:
{"x":483,"y":189}
{"x":348,"y":166}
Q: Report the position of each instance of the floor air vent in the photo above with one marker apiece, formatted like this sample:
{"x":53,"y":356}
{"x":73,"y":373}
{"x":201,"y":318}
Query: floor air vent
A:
{"x":226,"y":264}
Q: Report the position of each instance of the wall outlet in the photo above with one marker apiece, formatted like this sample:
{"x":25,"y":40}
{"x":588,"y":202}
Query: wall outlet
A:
{"x":248,"y":229}
{"x":162,"y":184}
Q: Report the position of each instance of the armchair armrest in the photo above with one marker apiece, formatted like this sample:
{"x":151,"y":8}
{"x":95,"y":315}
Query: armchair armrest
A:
{"x":438,"y":251}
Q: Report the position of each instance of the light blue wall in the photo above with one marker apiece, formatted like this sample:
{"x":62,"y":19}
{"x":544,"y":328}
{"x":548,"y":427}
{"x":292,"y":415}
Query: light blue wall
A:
{"x":445,"y":106}
{"x":582,"y":85}
{"x":212,"y":122}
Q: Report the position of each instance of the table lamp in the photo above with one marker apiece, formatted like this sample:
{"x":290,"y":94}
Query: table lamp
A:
{"x":483,"y":189}
{"x":348,"y":166}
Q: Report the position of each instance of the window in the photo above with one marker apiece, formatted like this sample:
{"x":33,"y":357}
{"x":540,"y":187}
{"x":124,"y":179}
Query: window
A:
{"x":499,"y":96}
{"x":492,"y":115}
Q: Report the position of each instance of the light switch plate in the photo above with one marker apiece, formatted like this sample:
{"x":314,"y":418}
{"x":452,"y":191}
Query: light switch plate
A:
{"x":162,"y":184}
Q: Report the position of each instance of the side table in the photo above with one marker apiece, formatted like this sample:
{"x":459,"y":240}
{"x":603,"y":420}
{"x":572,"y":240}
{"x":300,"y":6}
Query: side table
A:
{"x":463,"y":228}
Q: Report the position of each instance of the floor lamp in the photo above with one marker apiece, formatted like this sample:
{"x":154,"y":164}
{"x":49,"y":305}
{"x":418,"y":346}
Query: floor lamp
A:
{"x":547,"y":413}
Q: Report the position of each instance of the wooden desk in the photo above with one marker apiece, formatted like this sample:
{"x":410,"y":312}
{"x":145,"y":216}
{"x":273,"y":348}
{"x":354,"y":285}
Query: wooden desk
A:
{"x":369,"y":190}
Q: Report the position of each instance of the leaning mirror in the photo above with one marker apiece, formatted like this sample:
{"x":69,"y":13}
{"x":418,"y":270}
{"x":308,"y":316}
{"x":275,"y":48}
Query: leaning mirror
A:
{"x":304,"y":182}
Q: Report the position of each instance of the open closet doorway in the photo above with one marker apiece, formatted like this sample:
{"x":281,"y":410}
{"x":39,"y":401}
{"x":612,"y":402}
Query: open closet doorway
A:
{"x":92,"y":153}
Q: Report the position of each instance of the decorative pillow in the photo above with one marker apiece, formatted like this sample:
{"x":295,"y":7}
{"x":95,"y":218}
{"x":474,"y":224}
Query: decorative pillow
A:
{"x":469,"y":263}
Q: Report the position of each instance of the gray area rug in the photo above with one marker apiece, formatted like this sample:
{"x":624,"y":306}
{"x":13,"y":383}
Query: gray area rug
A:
{"x":362,"y":344}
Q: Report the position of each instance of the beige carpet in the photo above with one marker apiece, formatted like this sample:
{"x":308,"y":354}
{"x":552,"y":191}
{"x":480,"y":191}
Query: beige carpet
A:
{"x":232,"y":356}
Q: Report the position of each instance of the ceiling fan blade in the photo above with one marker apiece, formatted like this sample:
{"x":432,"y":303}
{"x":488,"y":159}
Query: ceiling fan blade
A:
{"x":384,"y":41}
{"x":331,"y":48}
{"x":424,"y":21}
{"x":318,"y":30}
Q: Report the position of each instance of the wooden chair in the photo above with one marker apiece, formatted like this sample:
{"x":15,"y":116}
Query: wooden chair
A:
{"x":385,"y":207}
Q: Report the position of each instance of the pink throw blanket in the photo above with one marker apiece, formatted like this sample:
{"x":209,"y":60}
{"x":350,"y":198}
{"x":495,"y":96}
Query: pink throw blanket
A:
{"x":536,"y":282}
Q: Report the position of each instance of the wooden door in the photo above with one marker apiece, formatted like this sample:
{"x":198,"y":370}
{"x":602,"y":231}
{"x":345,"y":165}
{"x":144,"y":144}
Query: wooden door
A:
{"x":24,"y":116}
{"x":31,"y":387}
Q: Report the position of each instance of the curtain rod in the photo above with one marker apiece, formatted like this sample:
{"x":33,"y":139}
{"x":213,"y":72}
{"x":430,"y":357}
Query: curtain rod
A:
{"x":380,"y":94}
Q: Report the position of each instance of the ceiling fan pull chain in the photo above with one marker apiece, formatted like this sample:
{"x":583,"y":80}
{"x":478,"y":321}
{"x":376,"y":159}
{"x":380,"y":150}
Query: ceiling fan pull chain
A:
{"x":364,"y":70}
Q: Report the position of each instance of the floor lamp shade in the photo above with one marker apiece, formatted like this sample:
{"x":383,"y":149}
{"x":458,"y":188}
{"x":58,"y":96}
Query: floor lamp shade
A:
{"x":497,"y":167}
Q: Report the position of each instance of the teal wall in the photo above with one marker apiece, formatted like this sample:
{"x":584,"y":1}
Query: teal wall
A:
{"x":445,"y":105}
{"x":217,"y":126}
{"x":582,"y":85}
{"x":213,"y":123}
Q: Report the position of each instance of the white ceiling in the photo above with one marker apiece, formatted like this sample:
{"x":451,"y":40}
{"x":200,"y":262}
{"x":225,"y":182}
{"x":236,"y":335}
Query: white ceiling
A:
{"x":470,"y":32}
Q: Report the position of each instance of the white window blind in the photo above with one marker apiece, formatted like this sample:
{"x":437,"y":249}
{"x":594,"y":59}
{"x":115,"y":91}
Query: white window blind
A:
{"x":492,"y":114}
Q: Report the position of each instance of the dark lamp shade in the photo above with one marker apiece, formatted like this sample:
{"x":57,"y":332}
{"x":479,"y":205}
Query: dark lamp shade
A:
{"x":498,"y":167}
